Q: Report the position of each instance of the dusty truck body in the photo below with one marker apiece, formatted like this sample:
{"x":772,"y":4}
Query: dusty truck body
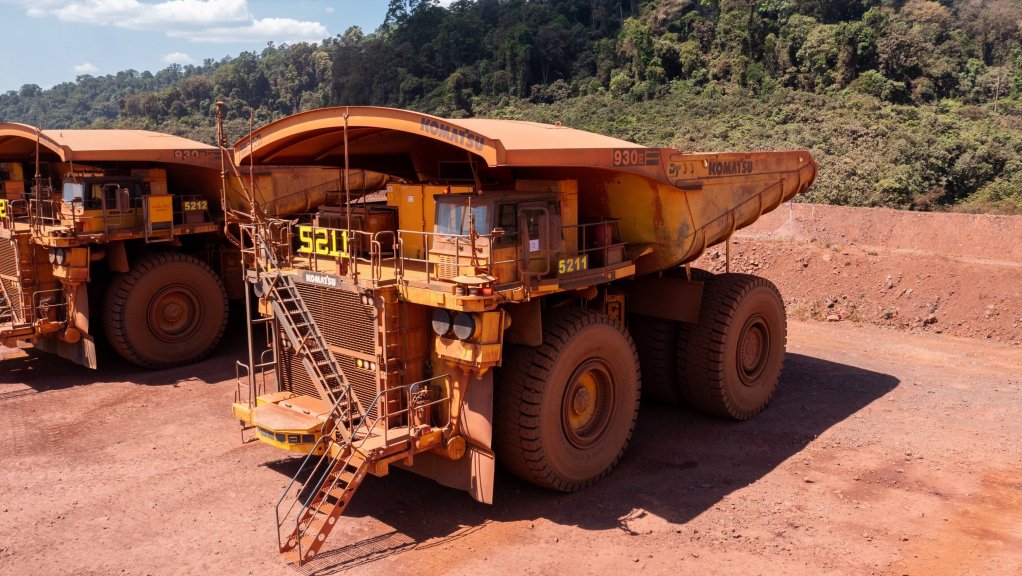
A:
{"x":501,"y":306}
{"x":125,"y":226}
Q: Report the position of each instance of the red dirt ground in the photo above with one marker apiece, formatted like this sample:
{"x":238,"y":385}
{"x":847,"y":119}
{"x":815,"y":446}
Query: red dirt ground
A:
{"x":891,"y":447}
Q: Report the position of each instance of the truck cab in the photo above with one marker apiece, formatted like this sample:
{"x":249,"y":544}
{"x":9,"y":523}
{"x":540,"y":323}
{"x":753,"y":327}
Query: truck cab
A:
{"x":136,"y":204}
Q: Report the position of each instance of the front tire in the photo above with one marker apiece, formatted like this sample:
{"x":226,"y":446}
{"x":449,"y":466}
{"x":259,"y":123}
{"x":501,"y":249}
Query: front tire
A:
{"x":567,"y":408}
{"x":729,"y":363}
{"x":169,"y":310}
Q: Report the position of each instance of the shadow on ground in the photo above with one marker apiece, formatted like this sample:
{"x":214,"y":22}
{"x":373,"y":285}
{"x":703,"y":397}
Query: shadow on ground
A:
{"x":41,"y":371}
{"x":679,"y":464}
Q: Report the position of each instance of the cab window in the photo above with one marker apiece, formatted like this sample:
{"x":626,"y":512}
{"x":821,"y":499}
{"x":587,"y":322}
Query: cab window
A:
{"x":452,"y":219}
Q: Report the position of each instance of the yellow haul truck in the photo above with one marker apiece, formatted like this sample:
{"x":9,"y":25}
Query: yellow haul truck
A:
{"x":501,"y":305}
{"x":129,"y":222}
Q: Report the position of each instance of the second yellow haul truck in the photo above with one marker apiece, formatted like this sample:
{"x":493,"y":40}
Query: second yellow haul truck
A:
{"x":507,"y":302}
{"x":127,"y":227}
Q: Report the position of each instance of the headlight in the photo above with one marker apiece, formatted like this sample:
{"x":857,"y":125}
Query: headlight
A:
{"x":441,"y":322}
{"x":464,"y":326}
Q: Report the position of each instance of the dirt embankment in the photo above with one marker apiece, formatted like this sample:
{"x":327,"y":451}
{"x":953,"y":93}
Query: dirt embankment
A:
{"x":957,"y":274}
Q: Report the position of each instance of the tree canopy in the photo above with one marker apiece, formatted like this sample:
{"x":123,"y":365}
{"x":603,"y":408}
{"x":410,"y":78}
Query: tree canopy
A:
{"x":935,"y":84}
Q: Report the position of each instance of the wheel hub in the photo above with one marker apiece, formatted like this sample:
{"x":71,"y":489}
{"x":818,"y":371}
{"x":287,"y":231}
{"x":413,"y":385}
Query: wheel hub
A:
{"x":174,"y":314}
{"x":583,"y":401}
{"x":753,"y":350}
{"x":587,"y":403}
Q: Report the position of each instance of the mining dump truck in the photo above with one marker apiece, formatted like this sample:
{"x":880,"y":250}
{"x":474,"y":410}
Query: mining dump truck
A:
{"x":505,"y":302}
{"x":130,"y":222}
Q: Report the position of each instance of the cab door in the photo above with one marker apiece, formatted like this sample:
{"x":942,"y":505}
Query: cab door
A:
{"x":536,"y":243}
{"x":118,"y":198}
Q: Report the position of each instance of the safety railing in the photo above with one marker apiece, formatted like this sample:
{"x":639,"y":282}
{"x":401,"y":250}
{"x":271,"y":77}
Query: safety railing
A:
{"x":47,"y":305}
{"x":445,"y":255}
{"x":95,"y":216}
{"x":435,"y":259}
{"x":599,"y":245}
{"x":263,"y":369}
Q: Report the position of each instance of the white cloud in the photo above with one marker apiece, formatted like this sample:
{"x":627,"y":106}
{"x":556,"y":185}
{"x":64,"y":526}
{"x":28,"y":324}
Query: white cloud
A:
{"x":329,"y":9}
{"x":178,"y":58}
{"x":276,"y":29}
{"x":87,"y":68}
{"x":142,"y":16}
{"x":196,"y":20}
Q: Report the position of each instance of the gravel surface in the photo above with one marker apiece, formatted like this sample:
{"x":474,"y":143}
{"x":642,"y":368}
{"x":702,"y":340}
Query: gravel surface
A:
{"x":888,"y":449}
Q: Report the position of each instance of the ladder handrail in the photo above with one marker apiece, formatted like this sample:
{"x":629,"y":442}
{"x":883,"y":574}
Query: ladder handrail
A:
{"x":350,"y":447}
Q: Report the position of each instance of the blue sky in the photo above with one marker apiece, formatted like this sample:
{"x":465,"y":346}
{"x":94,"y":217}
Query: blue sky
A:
{"x":47,"y":42}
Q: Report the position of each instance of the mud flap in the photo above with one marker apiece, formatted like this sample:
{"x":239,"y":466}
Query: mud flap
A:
{"x":474,"y":471}
{"x":83,"y":352}
{"x":80,"y":305}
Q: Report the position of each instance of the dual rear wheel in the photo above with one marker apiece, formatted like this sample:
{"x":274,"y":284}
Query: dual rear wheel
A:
{"x":728,"y":364}
{"x":566,"y":409}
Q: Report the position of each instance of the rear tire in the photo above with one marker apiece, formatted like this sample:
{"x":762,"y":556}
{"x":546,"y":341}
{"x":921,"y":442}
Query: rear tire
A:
{"x":169,"y":310}
{"x":729,"y":363}
{"x":567,"y":408}
{"x":656,"y":340}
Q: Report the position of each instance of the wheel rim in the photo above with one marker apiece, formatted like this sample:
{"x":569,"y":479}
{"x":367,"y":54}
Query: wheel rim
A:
{"x":753,"y":350}
{"x":174,"y":313}
{"x":587,"y":403}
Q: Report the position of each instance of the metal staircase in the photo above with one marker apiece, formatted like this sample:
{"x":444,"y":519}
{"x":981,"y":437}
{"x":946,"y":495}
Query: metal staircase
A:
{"x":6,"y":309}
{"x":332,"y":481}
{"x":304,"y":335}
{"x":17,"y":278}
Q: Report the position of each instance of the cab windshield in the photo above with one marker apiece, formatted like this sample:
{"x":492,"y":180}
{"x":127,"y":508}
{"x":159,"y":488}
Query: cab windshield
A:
{"x":452,"y":219}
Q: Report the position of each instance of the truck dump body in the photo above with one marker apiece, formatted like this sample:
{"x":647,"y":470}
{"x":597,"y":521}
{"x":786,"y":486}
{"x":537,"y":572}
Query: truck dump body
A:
{"x":498,"y":304}
{"x":670,"y":204}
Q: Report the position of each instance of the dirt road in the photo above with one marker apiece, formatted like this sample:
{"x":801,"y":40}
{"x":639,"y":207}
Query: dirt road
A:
{"x":882,"y":453}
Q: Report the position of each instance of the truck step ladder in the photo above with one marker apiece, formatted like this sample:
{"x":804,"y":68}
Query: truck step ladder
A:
{"x":338,"y":462}
{"x":331,"y":484}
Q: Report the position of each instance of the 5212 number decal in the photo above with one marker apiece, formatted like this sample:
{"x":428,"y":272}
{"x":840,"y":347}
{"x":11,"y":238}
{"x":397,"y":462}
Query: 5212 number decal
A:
{"x":190,"y":205}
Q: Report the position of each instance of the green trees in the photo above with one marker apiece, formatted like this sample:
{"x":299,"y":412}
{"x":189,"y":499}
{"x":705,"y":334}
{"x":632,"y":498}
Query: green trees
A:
{"x":954,"y":63}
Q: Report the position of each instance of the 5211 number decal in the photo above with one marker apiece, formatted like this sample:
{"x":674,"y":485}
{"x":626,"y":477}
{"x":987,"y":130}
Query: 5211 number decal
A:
{"x":576,"y":264}
{"x":190,"y":205}
{"x":3,"y":208}
{"x":323,"y":241}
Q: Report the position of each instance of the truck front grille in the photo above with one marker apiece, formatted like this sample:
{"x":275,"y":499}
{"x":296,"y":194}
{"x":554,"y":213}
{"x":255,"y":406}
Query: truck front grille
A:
{"x":10,"y":276}
{"x":342,"y":318}
{"x":350,"y":328}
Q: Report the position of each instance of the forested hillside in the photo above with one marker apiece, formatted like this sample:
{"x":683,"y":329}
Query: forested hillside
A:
{"x":912,"y":104}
